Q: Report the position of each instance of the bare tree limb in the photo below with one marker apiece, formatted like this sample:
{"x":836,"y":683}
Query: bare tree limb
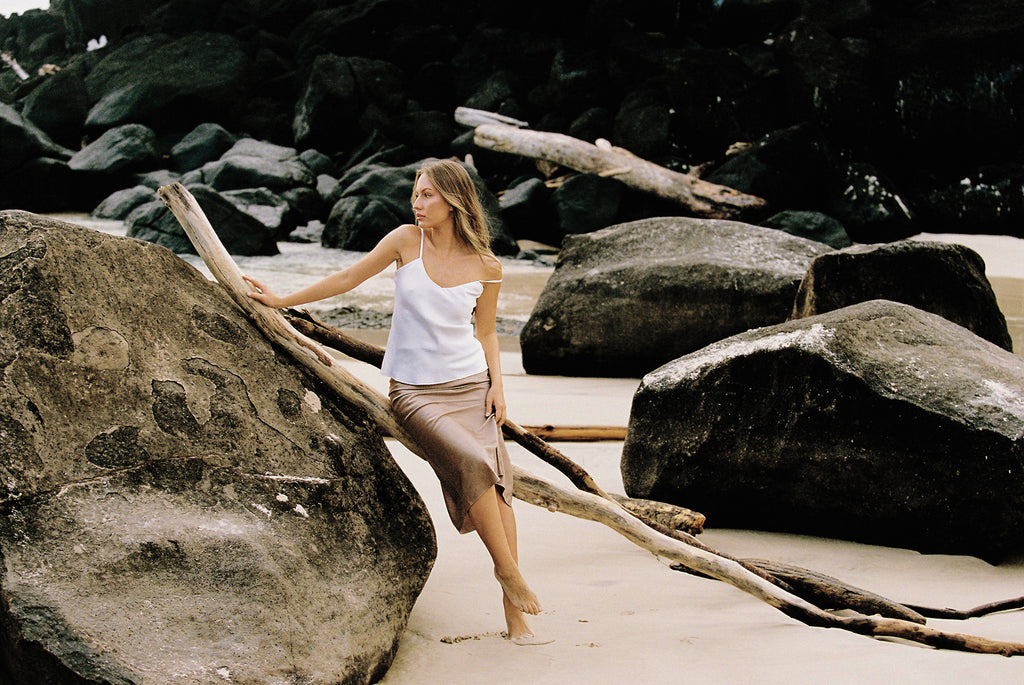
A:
{"x":704,"y":199}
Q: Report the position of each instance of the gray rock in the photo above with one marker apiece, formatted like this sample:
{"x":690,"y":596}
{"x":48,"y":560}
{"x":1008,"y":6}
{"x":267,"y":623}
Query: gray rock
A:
{"x":205,"y":143}
{"x":132,"y":147}
{"x":627,"y":299}
{"x":877,"y":422}
{"x":120,"y":204}
{"x":941,"y":278}
{"x":241,"y":233}
{"x":584,"y":203}
{"x":256,"y":164}
{"x":266,"y":206}
{"x":810,"y":225}
{"x":178,"y":502}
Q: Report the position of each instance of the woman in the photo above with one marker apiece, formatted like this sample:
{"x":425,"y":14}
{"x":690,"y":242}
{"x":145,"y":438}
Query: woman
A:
{"x":446,"y":383}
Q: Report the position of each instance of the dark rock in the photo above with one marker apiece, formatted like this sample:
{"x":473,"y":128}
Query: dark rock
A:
{"x":941,"y":278}
{"x":89,"y":19}
{"x":577,"y":79}
{"x":156,"y":179}
{"x":22,"y":140}
{"x":326,"y":186}
{"x":310,"y":233}
{"x":205,"y":143}
{"x":385,"y":194}
{"x":171,"y":83}
{"x":500,"y":93}
{"x":59,"y":106}
{"x":317,"y":162}
{"x":718,"y":99}
{"x":305,"y":203}
{"x":829,"y":83}
{"x":594,"y":123}
{"x":358,"y":222}
{"x":526,"y":212}
{"x":865,"y":202}
{"x":168,"y":478}
{"x":241,"y":233}
{"x":878,"y":422}
{"x":788,"y":168}
{"x":342,"y":96}
{"x":120,"y":204}
{"x":428,"y":133}
{"x":45,"y":184}
{"x":131,"y":147}
{"x":266,"y":206}
{"x":643,"y":124}
{"x":810,"y":225}
{"x":584,"y":203}
{"x":255,"y":164}
{"x":625,"y":300}
{"x":987,"y":201}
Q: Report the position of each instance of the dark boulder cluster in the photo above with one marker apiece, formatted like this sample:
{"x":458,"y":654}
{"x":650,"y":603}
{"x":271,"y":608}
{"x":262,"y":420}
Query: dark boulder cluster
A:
{"x":854,"y":120}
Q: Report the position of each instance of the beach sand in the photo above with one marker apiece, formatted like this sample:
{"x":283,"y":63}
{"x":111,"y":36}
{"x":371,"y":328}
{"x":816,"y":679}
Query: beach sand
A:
{"x":619,"y":614}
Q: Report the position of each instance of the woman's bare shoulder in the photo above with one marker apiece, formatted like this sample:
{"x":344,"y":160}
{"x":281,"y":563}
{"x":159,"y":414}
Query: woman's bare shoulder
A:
{"x":492,"y":268}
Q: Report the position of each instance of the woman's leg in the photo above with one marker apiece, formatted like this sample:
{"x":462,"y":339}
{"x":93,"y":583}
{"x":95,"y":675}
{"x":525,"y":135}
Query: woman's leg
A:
{"x":490,"y":523}
{"x":515,"y":621}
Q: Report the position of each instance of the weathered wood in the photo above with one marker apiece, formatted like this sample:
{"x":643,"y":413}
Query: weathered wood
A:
{"x":551,"y":433}
{"x":669,"y":515}
{"x":467,"y":116}
{"x":529,"y":487}
{"x":831,"y":593}
{"x":704,"y":199}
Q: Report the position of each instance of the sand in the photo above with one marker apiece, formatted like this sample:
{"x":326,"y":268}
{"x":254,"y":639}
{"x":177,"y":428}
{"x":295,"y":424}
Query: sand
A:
{"x":621,"y":615}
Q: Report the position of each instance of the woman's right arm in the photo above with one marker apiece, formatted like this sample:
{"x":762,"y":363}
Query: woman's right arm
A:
{"x":388,"y":250}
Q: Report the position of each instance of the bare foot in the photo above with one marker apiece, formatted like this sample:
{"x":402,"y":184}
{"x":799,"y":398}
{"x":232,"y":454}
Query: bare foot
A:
{"x":518,"y":592}
{"x":519,"y":631}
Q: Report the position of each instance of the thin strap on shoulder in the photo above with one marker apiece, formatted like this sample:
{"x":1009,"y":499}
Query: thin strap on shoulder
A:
{"x":421,"y":242}
{"x":497,"y":281}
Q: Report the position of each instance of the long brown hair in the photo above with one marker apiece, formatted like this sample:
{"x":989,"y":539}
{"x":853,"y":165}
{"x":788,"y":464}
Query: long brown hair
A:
{"x":455,"y":185}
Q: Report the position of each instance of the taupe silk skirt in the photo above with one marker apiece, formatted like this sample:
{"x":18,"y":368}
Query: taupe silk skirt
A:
{"x":463,"y":445}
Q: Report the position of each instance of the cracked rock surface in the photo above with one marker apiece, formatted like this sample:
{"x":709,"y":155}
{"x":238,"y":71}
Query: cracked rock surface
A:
{"x":177,"y":501}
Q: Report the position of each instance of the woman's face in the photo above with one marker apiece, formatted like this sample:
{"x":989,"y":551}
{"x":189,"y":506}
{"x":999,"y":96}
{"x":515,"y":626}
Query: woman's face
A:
{"x":430,"y":208}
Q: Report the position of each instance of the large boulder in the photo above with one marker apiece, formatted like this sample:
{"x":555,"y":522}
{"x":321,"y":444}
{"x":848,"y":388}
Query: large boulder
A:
{"x":179,"y":502}
{"x":878,"y":422}
{"x":941,"y":278}
{"x":179,"y":82}
{"x":22,"y":140}
{"x":241,"y":233}
{"x":625,"y":300}
{"x":132,"y":147}
{"x":205,"y":143}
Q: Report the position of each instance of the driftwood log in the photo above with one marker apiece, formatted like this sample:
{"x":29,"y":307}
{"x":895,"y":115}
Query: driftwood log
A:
{"x":528,"y":487}
{"x":704,"y":199}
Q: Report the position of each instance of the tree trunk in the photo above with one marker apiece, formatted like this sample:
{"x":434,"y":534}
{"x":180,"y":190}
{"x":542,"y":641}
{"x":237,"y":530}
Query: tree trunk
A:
{"x":704,"y":199}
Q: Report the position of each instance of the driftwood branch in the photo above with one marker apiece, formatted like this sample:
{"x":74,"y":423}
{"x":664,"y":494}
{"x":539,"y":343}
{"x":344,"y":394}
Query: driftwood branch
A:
{"x":704,"y":199}
{"x":528,"y":487}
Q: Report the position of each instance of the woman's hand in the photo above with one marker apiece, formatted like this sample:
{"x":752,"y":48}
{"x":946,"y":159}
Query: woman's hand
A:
{"x":495,"y":405}
{"x":262,"y":293}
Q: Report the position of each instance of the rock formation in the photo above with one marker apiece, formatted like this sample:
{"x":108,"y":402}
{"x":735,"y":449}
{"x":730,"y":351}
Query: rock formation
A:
{"x":941,"y":278}
{"x":624,"y":300}
{"x":177,"y":501}
{"x":877,"y":422}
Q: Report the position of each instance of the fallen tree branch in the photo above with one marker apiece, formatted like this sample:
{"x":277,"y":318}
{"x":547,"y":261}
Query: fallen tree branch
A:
{"x":704,"y":199}
{"x":528,"y":487}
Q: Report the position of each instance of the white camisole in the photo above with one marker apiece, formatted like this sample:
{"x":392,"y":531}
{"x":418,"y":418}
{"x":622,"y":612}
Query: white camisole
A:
{"x":432,"y":338}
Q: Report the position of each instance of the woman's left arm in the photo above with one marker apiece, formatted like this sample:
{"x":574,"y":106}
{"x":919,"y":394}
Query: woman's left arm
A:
{"x":486,"y":333}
